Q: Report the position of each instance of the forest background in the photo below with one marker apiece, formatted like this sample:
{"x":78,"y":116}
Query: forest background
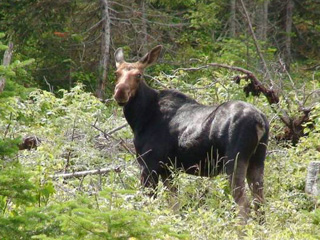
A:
{"x":56,"y":84}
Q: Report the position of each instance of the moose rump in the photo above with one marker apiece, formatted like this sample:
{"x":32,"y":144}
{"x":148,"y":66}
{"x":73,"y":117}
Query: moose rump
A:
{"x":172,"y":129}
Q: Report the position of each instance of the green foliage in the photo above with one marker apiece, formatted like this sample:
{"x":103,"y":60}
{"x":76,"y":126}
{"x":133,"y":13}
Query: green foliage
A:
{"x":104,"y":216}
{"x":178,"y":4}
{"x":8,"y":147}
{"x":98,"y":207}
{"x":63,"y":38}
{"x":17,"y":194}
{"x":12,"y":72}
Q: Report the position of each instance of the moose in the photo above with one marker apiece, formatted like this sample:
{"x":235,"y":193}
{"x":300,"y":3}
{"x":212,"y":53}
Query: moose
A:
{"x":172,"y":130}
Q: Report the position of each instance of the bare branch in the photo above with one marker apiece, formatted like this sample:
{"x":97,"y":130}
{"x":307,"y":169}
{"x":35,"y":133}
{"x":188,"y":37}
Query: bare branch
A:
{"x":109,"y":135}
{"x":117,"y":129}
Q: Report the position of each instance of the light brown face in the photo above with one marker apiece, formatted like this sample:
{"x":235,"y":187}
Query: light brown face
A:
{"x":129,"y":75}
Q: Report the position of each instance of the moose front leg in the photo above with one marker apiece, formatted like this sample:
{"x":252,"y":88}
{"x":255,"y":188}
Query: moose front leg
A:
{"x":168,"y":182}
{"x":149,"y":179}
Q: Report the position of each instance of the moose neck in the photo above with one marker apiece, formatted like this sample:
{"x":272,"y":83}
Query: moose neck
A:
{"x":141,"y":108}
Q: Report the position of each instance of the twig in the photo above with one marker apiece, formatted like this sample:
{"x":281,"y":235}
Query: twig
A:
{"x":8,"y":126}
{"x":309,"y":95}
{"x":292,"y":85}
{"x":106,"y":135}
{"x":49,"y":85}
{"x":70,"y":151}
{"x":117,"y":129}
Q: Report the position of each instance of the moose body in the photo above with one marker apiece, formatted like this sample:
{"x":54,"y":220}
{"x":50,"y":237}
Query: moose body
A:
{"x":173,"y":130}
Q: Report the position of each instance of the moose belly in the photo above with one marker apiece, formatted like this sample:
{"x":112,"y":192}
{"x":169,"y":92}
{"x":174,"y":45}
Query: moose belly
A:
{"x":199,"y":161}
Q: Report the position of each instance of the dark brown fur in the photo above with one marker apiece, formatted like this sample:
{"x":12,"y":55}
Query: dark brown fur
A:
{"x":171,"y":129}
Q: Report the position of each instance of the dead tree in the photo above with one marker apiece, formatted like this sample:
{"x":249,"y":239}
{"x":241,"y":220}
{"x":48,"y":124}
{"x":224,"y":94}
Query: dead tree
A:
{"x":6,"y":61}
{"x":105,"y":50}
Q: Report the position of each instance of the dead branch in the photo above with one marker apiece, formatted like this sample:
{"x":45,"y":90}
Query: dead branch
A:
{"x":117,"y":129}
{"x":93,"y":172}
{"x":85,"y":173}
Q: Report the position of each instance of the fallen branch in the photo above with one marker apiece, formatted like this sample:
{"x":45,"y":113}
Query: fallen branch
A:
{"x":85,"y":173}
{"x":95,"y":171}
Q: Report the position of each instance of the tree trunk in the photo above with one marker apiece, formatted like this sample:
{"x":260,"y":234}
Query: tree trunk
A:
{"x":288,"y":32}
{"x":256,"y":43}
{"x":232,"y":18}
{"x":262,"y":20}
{"x":144,"y":27}
{"x":6,"y":61}
{"x":313,"y":179}
{"x":105,"y":50}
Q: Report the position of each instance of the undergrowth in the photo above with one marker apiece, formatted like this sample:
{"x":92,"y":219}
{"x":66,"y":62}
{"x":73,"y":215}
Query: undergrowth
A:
{"x":73,"y":137}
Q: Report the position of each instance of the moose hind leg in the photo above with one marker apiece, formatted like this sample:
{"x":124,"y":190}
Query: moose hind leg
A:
{"x":237,"y":171}
{"x":255,"y":180}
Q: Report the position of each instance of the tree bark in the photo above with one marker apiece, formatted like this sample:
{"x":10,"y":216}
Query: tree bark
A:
{"x":256,"y":43}
{"x":6,"y":61}
{"x":105,"y":50}
{"x":262,"y":20}
{"x":144,"y":27}
{"x":232,"y":18}
{"x":313,"y":179}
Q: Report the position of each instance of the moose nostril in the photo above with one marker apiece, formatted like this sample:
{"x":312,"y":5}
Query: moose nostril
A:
{"x":121,"y":93}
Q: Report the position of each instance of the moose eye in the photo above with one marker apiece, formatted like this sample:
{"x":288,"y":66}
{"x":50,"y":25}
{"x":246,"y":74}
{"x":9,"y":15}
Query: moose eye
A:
{"x":138,"y":75}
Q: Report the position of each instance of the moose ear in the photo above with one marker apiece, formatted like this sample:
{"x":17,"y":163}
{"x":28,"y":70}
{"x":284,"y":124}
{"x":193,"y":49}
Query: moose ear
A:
{"x":118,"y":56}
{"x":151,"y":57}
